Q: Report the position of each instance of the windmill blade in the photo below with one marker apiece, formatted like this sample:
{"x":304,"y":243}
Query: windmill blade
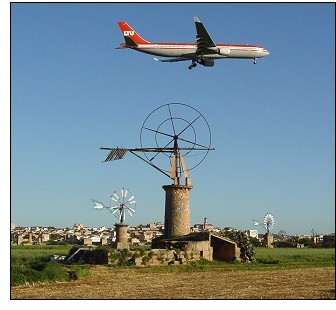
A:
{"x":125,"y":192}
{"x":133,"y":201}
{"x":115,"y":211}
{"x":114,"y":207}
{"x":173,"y":170}
{"x":130,"y":199}
{"x":130,"y":213}
{"x":116,"y":196}
{"x":122,"y":193}
{"x":184,"y":167}
{"x":131,"y":209}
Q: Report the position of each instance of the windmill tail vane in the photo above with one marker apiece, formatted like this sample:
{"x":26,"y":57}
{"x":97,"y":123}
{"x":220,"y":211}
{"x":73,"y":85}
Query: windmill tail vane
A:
{"x":115,"y":153}
{"x":97,"y":204}
{"x":255,"y":223}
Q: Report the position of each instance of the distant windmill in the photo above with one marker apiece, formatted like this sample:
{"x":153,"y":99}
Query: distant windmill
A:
{"x":121,"y":204}
{"x":267,"y":224}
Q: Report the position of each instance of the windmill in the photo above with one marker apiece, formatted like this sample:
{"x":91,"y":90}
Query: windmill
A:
{"x":164,"y":134}
{"x":268,"y":224}
{"x":121,"y":204}
{"x":170,"y":135}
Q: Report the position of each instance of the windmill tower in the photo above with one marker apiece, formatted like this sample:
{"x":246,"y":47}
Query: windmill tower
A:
{"x":168,"y":135}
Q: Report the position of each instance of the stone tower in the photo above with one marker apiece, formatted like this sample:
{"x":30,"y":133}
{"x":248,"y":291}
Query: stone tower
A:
{"x":177,"y":212}
{"x":269,"y":240}
{"x":30,"y":237}
{"x":121,"y":236}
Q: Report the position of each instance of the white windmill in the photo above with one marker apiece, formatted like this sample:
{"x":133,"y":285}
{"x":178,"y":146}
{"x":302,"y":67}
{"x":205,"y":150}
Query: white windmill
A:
{"x":268,"y":224}
{"x":121,"y":203}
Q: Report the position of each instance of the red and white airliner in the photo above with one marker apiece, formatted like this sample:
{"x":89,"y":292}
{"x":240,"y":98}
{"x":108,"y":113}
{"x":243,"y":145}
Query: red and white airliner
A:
{"x":203,"y":52}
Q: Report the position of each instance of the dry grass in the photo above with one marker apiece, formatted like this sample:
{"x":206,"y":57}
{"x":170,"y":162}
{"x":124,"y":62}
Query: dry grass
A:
{"x":132,"y":283}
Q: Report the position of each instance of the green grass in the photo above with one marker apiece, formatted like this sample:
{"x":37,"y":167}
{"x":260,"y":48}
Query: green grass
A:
{"x":31,"y":264}
{"x":30,"y":252}
{"x":292,"y":257}
{"x":266,"y":259}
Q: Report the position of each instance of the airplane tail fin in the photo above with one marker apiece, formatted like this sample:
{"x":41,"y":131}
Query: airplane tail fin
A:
{"x":130,"y":35}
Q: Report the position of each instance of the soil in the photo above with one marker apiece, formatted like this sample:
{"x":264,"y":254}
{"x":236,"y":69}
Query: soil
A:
{"x":144,"y":283}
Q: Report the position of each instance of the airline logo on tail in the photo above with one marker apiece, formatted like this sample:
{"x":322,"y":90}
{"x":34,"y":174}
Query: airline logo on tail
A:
{"x":128,"y":33}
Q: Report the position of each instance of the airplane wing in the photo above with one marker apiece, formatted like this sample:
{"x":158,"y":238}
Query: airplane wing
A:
{"x":172,"y":59}
{"x":203,"y":39}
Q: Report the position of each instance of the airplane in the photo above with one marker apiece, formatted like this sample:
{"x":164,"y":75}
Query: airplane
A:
{"x":204,"y":52}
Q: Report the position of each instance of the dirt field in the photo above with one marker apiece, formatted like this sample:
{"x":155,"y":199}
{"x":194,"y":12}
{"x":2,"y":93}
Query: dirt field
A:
{"x":109,"y":283}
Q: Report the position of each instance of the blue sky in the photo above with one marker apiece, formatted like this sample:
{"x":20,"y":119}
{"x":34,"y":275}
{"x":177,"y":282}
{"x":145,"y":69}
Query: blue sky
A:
{"x":272,"y":124}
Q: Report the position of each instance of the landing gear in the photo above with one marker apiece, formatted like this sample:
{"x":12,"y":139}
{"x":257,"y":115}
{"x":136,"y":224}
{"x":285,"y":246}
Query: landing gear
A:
{"x":254,"y":60}
{"x":193,"y":65}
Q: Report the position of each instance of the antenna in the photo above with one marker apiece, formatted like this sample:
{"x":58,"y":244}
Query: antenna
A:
{"x":171,"y":131}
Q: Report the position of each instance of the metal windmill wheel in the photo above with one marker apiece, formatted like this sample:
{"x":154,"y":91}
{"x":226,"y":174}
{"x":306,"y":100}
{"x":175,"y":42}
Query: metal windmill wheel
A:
{"x":268,"y":222}
{"x":173,"y":131}
{"x":180,"y":129}
{"x":122,"y":203}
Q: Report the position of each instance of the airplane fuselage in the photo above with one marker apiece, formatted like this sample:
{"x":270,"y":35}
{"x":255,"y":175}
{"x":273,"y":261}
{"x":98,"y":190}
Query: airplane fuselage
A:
{"x":188,"y":50}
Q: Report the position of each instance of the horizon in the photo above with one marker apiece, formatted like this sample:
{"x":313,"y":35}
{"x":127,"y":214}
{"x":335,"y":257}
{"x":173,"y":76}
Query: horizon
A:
{"x":144,"y":224}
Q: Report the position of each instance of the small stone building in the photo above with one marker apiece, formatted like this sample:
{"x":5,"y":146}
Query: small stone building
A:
{"x":166,"y":251}
{"x":224,"y":249}
{"x":206,"y":245}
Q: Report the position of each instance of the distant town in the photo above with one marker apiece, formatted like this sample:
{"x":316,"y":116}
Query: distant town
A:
{"x":143,"y":235}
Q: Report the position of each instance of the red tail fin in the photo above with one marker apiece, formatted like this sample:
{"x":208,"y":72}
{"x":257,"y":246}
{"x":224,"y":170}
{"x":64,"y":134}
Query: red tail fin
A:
{"x":130,"y":35}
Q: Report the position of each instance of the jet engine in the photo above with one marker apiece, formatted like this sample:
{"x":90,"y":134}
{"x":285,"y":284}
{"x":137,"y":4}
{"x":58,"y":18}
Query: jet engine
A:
{"x":225,"y":51}
{"x":207,"y":62}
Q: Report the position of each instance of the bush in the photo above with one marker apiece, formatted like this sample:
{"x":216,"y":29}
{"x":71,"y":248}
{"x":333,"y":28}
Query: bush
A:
{"x":54,"y":272}
{"x":44,"y":272}
{"x":32,"y":265}
{"x":23,"y":275}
